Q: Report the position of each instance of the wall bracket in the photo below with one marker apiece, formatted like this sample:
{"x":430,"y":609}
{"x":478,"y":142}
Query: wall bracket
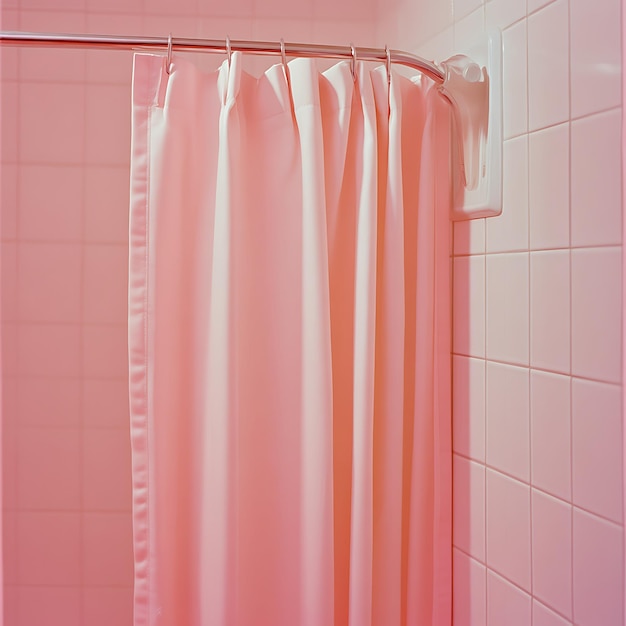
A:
{"x":473,"y":85}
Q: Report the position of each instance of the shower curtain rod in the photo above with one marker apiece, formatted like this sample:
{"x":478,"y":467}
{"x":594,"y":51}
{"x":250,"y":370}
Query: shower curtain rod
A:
{"x":122,"y":42}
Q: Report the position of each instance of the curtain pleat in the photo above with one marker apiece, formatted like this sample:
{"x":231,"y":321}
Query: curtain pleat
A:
{"x":289,"y":347}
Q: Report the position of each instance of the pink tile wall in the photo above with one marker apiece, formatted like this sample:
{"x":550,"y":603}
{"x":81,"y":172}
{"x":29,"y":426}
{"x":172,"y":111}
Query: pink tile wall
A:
{"x":64,"y":182}
{"x":537,"y":320}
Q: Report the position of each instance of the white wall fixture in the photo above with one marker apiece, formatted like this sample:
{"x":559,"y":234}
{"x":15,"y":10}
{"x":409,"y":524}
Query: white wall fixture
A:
{"x":473,"y":84}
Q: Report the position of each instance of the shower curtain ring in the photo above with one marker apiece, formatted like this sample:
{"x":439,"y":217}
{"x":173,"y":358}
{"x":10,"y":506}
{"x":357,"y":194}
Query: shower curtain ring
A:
{"x":282,"y":52}
{"x":228,"y":50}
{"x":353,"y":62}
{"x":388,"y":54}
{"x":168,"y":62}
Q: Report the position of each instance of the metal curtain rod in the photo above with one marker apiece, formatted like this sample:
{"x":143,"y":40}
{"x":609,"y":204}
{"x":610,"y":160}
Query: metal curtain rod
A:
{"x":122,"y":42}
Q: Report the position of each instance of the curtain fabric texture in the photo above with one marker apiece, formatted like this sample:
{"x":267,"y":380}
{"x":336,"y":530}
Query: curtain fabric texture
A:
{"x":289,"y":340}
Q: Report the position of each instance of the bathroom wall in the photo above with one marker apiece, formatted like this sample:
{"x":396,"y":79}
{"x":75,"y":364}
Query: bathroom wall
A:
{"x":538,"y":524}
{"x":65,"y":126}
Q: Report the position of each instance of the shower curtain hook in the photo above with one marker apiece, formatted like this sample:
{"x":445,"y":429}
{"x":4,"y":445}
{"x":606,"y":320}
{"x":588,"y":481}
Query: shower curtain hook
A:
{"x":353,"y":62}
{"x":168,"y":62}
{"x":228,"y":50}
{"x":388,"y":54}
{"x":282,"y":52}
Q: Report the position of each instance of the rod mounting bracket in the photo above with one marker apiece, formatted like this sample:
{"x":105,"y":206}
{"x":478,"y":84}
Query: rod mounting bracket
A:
{"x":473,"y":85}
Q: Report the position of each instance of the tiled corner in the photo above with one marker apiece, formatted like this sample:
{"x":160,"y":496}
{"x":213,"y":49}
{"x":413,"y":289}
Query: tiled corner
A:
{"x":468,"y":410}
{"x":468,"y":335}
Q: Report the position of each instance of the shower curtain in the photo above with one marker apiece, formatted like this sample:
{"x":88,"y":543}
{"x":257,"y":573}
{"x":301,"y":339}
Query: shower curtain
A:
{"x":289,"y":344}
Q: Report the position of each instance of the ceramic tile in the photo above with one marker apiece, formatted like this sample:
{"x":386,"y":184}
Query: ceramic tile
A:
{"x":469,"y":27}
{"x":104,"y":606}
{"x":38,"y":605}
{"x":508,"y":232}
{"x":468,"y":407}
{"x":596,"y":59}
{"x":49,"y":288}
{"x":469,"y":237}
{"x":551,"y":430}
{"x":503,"y":13}
{"x":552,"y":552}
{"x":469,"y":507}
{"x":469,"y":306}
{"x":52,"y":64}
{"x":596,"y":180}
{"x":51,"y":123}
{"x":107,"y":470}
{"x":107,"y":144}
{"x":548,"y":187}
{"x":105,"y":284}
{"x":514,"y":80}
{"x":49,"y":467}
{"x":508,"y":528}
{"x":51,"y":203}
{"x":9,"y":122}
{"x":107,"y":549}
{"x":469,"y":591}
{"x":506,"y":604}
{"x":543,"y":616}
{"x":106,"y":204}
{"x":508,"y":420}
{"x":8,"y":198}
{"x":597,"y":447}
{"x":49,"y":548}
{"x":550,"y":311}
{"x":548,"y":66}
{"x":507,"y":308}
{"x":598,"y":571}
{"x":596,"y":313}
{"x":8,"y":281}
{"x":49,"y":350}
{"x":105,"y":351}
{"x":105,"y":403}
{"x":51,"y":402}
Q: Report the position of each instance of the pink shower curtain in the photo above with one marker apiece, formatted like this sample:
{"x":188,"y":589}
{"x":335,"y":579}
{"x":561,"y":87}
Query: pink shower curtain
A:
{"x":289,"y":331}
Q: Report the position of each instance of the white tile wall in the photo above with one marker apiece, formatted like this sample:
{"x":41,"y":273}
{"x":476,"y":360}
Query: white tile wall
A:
{"x":540,"y":288}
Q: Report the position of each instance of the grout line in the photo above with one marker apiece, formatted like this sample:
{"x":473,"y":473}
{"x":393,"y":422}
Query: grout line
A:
{"x":571,"y":335}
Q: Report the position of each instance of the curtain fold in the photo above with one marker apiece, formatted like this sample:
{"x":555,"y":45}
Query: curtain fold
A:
{"x":289,"y":346}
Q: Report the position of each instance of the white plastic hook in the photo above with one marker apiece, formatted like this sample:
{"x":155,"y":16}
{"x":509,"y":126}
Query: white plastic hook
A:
{"x":168,"y":62}
{"x":388,"y":55}
{"x":284,"y":58}
{"x":353,"y":62}
{"x":228,"y":49}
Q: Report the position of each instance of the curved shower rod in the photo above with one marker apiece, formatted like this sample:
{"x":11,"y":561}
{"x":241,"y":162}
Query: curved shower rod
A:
{"x":183,"y":44}
{"x":474,"y":89}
